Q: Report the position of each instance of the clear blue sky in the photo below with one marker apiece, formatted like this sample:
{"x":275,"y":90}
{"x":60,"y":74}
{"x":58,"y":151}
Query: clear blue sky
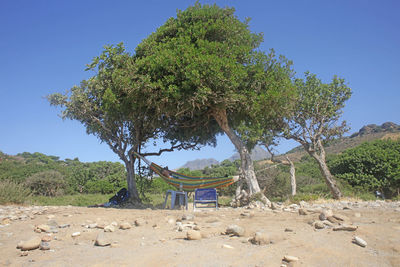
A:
{"x":44,"y":46}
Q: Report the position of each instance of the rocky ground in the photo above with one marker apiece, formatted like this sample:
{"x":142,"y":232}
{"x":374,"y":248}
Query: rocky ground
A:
{"x":321,"y":234}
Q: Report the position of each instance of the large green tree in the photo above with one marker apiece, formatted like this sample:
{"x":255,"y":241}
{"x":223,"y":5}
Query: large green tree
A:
{"x":315,"y":119}
{"x":113,"y":106}
{"x":205,"y":64}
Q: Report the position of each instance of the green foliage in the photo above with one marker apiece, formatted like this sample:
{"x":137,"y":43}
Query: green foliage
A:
{"x":46,"y":183}
{"x":372,"y":166}
{"x":74,"y":200}
{"x":11,"y":192}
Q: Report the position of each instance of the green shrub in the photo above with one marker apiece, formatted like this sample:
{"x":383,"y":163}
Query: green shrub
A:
{"x":46,"y":183}
{"x":303,"y":197}
{"x":100,"y":186}
{"x":74,"y":200}
{"x":11,"y":192}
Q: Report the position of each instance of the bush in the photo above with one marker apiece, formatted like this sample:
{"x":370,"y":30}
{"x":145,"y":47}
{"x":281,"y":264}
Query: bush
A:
{"x":47,"y":183}
{"x":101,"y":186}
{"x":11,"y":192}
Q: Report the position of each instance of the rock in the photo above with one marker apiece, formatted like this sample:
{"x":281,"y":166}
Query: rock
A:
{"x":5,"y":221}
{"x":359,"y":241}
{"x":332,"y":219}
{"x":289,"y":258}
{"x":101,"y":240}
{"x":193,"y":235}
{"x":125,"y":226}
{"x":260,"y":238}
{"x":302,"y":211}
{"x":51,"y":216}
{"x":288,"y":230}
{"x":109,"y":228}
{"x":140,"y":222}
{"x":23,"y":253}
{"x":325,"y":214}
{"x":171,"y":221}
{"x":31,"y":244}
{"x":227,"y":246}
{"x":327,"y":223}
{"x":75,"y":234}
{"x":357,"y":214}
{"x":101,"y":225}
{"x":46,"y":238}
{"x":63,"y":225}
{"x":319,"y":225}
{"x":340,"y":217}
{"x":235,"y":230}
{"x":92,"y":225}
{"x":187,"y":217}
{"x":43,"y":228}
{"x":345,"y":227}
{"x":114,"y":223}
{"x":52,"y":223}
{"x":44,"y":246}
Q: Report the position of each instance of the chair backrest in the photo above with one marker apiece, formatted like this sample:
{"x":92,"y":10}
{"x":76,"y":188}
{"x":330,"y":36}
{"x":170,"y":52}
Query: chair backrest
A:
{"x":205,"y":194}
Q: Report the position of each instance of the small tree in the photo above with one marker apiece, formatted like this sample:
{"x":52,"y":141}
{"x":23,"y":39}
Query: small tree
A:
{"x":315,"y":117}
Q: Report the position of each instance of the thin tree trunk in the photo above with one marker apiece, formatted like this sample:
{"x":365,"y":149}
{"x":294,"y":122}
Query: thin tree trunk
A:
{"x":247,"y":166}
{"x":329,"y":179}
{"x":292,"y":176}
{"x":130,"y":178}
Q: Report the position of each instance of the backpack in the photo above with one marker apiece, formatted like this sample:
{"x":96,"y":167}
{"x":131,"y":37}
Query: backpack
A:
{"x":121,"y":196}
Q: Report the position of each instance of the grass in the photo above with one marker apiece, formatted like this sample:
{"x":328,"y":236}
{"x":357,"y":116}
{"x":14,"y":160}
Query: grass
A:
{"x":73,"y":200}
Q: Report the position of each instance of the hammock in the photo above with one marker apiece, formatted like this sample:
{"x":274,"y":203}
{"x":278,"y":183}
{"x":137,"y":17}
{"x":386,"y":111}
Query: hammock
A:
{"x":186,"y":182}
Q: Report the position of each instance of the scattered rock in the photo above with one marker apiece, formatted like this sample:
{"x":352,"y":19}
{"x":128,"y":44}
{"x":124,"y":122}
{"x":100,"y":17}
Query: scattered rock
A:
{"x":187,"y":217}
{"x":260,"y":238}
{"x":289,"y":258}
{"x":345,"y":227}
{"x":227,"y":246}
{"x":31,"y":244}
{"x":340,"y":217}
{"x":75,"y":234}
{"x":92,"y":225}
{"x":359,"y":241}
{"x":140,"y":222}
{"x":43,"y":228}
{"x":5,"y":221}
{"x":171,"y":221}
{"x":44,"y":246}
{"x":125,"y":226}
{"x":46,"y":238}
{"x":109,"y":228}
{"x":303,"y":212}
{"x":64,"y":225}
{"x":357,"y":214}
{"x":101,"y":240}
{"x":289,"y":230}
{"x":193,"y":235}
{"x":319,"y":225}
{"x":235,"y":230}
{"x":332,"y":219}
{"x":325,"y":214}
{"x":23,"y":253}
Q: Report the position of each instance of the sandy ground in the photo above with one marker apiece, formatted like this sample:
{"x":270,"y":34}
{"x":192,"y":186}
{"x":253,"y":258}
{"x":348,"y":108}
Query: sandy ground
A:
{"x":158,"y":241}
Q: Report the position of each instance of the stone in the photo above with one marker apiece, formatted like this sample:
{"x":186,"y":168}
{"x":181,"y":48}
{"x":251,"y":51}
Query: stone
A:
{"x":140,"y":222}
{"x":345,"y":227}
{"x":302,"y":211}
{"x":340,"y":217}
{"x":193,"y":235}
{"x":44,"y":246}
{"x":289,"y":230}
{"x":359,"y":241}
{"x":31,"y":244}
{"x":289,"y":258}
{"x":52,"y":223}
{"x":43,"y":228}
{"x":235,"y":230}
{"x":171,"y":221}
{"x":102,"y":240}
{"x":75,"y":234}
{"x":101,"y":225}
{"x":92,"y":225}
{"x":332,"y":219}
{"x":357,"y":215}
{"x":227,"y":246}
{"x":5,"y":221}
{"x":125,"y":226}
{"x":325,"y":214}
{"x":46,"y":238}
{"x":65,"y":225}
{"x":114,"y":223}
{"x":260,"y":238}
{"x":109,"y":228}
{"x":187,"y":217}
{"x":319,"y":225}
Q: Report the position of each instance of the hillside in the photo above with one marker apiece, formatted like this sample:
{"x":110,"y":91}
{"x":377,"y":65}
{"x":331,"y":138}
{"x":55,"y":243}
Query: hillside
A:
{"x":367,"y":133}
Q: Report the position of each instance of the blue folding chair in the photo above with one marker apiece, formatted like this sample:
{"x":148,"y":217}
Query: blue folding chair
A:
{"x":205,"y":196}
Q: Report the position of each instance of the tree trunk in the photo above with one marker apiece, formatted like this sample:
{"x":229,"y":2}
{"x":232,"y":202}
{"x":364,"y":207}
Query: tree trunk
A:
{"x":329,"y":179}
{"x":247,"y":166}
{"x":292,"y":176}
{"x":130,"y":178}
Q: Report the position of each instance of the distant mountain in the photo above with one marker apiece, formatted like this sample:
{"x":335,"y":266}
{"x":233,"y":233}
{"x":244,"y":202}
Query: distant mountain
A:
{"x":199,"y":164}
{"x":257,"y":153}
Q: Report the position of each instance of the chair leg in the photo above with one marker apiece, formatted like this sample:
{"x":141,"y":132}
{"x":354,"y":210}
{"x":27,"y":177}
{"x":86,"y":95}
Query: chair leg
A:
{"x":186,"y":200}
{"x":173,"y":197}
{"x":166,"y":199}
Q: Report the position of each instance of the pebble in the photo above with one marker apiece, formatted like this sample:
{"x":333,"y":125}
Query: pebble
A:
{"x":139,"y":222}
{"x":64,"y":225}
{"x":345,"y":227}
{"x":325,"y":214}
{"x":125,"y":226}
{"x":235,"y":230}
{"x":109,"y":228}
{"x":359,"y":241}
{"x":193,"y":235}
{"x":302,"y":212}
{"x":289,"y":258}
{"x":43,"y":228}
{"x":31,"y":244}
{"x":101,"y":240}
{"x":75,"y":234}
{"x":227,"y":246}
{"x":46,"y":238}
{"x":44,"y":246}
{"x":260,"y":238}
{"x":340,"y":217}
{"x":319,"y":225}
{"x":187,"y":217}
{"x":357,"y":215}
